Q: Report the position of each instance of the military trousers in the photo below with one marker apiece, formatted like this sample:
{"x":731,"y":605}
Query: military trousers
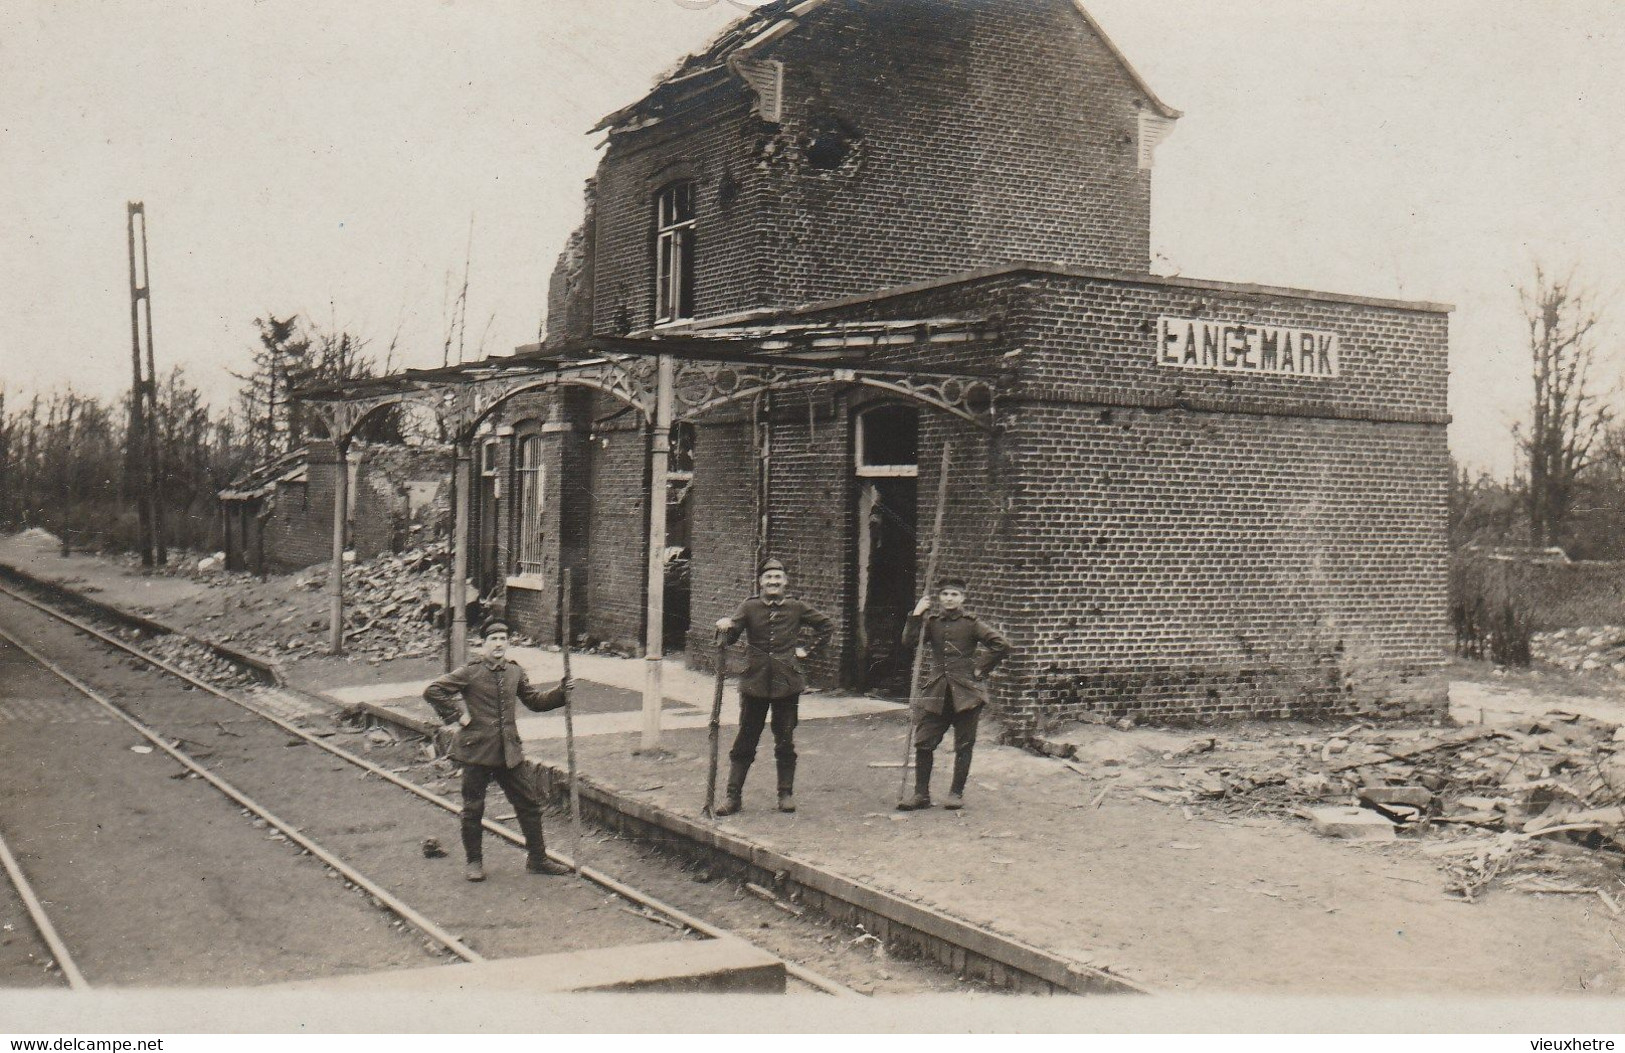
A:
{"x":930,"y":726}
{"x":753,"y":716}
{"x":477,"y":779}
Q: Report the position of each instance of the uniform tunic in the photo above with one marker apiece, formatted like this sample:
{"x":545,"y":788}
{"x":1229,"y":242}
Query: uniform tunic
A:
{"x":954,"y":669}
{"x":491,"y":689}
{"x":772,"y":631}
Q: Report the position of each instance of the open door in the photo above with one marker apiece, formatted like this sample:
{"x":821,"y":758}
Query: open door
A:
{"x":887,"y":455}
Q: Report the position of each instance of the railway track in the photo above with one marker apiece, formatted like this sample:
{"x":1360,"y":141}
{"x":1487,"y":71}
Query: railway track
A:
{"x":439,"y":935}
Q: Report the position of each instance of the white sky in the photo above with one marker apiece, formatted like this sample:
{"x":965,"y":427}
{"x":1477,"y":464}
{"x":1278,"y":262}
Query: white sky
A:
{"x":327,"y":159}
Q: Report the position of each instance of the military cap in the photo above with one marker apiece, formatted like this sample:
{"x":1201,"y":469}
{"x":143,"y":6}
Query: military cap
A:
{"x":952,"y":581}
{"x":770,"y":564}
{"x":494,"y":626}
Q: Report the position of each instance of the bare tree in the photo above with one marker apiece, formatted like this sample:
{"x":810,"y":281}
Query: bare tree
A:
{"x":1567,"y":414}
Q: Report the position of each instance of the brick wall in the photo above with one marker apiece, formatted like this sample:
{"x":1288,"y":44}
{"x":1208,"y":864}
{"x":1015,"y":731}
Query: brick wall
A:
{"x":920,"y":138}
{"x":611,"y":500}
{"x":1207,"y":565}
{"x":299,"y":530}
{"x":810,"y":509}
{"x":723,"y":541}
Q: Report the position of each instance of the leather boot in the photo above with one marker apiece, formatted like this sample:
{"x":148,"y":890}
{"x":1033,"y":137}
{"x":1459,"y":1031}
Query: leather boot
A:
{"x":787,"y":784}
{"x":923,"y":761}
{"x":736,"y":786}
{"x":956,"y":793}
{"x":536,"y":861}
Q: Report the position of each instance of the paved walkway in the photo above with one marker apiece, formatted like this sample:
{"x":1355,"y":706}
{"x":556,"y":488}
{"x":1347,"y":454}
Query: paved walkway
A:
{"x":1177,"y":900}
{"x":688,"y":695}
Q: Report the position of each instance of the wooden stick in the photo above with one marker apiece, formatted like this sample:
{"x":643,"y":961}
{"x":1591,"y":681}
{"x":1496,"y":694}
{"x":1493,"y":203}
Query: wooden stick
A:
{"x":716,"y":728}
{"x":569,"y":719}
{"x":930,"y":587}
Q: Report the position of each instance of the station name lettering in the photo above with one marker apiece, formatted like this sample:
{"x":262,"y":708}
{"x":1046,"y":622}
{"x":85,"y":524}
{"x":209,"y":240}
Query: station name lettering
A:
{"x":1235,"y":347}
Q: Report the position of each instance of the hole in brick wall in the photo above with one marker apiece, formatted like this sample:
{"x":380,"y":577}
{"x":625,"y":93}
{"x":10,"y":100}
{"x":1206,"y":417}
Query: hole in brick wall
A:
{"x":828,"y":142}
{"x":1105,"y":416}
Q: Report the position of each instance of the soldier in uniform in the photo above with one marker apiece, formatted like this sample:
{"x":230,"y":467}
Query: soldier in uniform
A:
{"x":955,"y":687}
{"x":487,"y":744}
{"x":771,"y":623}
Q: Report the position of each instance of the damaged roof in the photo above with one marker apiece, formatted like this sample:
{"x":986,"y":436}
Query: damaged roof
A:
{"x":766,"y":24}
{"x":262,"y":479}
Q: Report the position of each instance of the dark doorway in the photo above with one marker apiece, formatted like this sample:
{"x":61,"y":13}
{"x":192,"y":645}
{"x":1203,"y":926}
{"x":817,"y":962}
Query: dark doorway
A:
{"x":887,"y":454}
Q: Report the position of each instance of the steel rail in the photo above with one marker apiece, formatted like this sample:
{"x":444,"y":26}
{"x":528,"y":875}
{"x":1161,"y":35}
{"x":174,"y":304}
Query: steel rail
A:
{"x":383,"y":895}
{"x":597,"y":877}
{"x":42,"y":921}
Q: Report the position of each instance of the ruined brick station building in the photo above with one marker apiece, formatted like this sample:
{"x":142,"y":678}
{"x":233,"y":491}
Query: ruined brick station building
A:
{"x":277,"y":516}
{"x":1187,"y":500}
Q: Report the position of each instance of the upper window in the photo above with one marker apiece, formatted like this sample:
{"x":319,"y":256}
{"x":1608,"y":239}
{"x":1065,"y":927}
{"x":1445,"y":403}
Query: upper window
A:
{"x":674,"y":253}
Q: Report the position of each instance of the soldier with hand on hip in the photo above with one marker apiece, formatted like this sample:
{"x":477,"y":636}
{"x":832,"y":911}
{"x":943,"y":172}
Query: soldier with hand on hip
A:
{"x":961,"y":651}
{"x":487,"y":745}
{"x":772,"y":624}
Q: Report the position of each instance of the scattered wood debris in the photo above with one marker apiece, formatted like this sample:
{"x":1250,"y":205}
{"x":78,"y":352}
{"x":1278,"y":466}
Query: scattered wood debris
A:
{"x":1511,"y":796}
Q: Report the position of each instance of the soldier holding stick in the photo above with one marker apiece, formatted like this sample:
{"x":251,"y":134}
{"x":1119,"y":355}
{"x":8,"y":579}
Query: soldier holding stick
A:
{"x":487,"y":744}
{"x":955,"y":689}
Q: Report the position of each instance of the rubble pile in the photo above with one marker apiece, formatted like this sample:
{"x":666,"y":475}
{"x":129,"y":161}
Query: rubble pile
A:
{"x":1562,"y":769}
{"x":1491,"y":796}
{"x":1583,"y":650}
{"x":392,"y":606}
{"x":198,"y":660}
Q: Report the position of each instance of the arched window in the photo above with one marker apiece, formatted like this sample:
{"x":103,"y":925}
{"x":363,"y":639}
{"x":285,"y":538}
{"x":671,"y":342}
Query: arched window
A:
{"x":674,"y":253}
{"x":531,"y":485}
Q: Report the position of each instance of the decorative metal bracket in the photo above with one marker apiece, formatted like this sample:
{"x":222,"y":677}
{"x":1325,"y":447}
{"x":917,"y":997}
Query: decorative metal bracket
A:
{"x":462,"y":403}
{"x":701,"y":387}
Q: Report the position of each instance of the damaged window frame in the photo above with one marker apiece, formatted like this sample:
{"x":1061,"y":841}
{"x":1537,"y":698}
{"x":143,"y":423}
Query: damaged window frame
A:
{"x":675,"y":224}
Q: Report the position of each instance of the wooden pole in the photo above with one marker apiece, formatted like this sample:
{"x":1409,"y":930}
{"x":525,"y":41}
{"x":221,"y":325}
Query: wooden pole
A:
{"x":930,"y":588}
{"x":716,"y":728}
{"x":569,"y":719}
{"x":155,"y":475}
{"x":136,"y":440}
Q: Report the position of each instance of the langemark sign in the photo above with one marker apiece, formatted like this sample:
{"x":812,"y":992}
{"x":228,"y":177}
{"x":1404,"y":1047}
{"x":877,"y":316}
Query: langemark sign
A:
{"x":1235,"y":347}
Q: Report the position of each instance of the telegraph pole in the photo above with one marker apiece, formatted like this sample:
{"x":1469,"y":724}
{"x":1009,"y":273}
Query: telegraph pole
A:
{"x":142,"y":455}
